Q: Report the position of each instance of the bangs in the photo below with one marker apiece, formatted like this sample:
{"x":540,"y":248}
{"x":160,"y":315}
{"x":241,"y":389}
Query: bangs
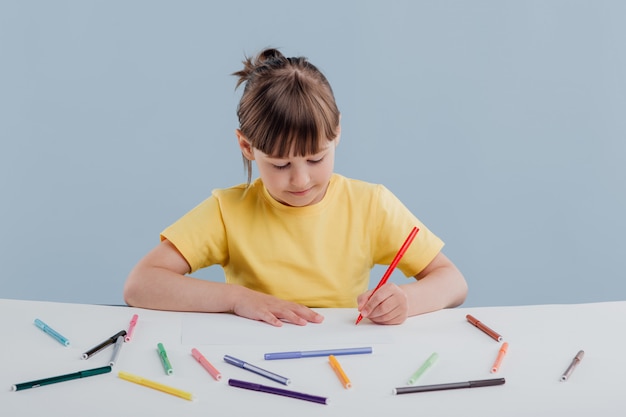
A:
{"x":295,"y":121}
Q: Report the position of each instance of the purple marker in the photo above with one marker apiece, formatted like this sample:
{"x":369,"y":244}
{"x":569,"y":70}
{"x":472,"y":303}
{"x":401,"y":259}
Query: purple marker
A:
{"x":259,"y":371}
{"x":277,"y":391}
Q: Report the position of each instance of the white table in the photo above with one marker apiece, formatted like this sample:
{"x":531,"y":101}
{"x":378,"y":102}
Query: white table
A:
{"x":543,"y":340}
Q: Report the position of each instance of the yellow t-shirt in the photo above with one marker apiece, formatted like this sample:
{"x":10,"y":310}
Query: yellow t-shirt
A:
{"x":319,"y":255}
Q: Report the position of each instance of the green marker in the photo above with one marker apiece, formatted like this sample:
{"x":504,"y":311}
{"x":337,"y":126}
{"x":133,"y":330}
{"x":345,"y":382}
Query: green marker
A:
{"x":164,"y":360}
{"x":427,"y":364}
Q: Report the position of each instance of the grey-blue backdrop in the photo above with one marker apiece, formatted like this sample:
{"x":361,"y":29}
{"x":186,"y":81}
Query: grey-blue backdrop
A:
{"x":501,"y":124}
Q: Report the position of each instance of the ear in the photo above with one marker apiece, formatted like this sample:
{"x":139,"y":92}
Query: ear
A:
{"x":244,"y":145}
{"x":338,"y":137}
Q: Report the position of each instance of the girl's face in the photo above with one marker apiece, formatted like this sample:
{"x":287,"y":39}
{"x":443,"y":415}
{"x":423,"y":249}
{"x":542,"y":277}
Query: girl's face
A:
{"x":296,"y":180}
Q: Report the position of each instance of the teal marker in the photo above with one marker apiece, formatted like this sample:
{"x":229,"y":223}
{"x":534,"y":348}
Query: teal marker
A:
{"x":164,"y":360}
{"x":427,"y":364}
{"x":61,"y":378}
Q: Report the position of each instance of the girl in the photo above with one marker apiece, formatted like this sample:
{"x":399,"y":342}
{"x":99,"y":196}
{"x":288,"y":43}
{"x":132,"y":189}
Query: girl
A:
{"x":300,"y":236}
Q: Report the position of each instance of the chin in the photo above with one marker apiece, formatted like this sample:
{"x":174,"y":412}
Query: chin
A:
{"x":298,"y":202}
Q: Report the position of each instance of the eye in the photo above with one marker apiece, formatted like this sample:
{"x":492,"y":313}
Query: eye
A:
{"x":281,"y":166}
{"x":316,"y":161}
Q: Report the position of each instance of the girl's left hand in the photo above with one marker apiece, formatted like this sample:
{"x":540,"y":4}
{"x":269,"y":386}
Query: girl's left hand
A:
{"x":388,"y":305}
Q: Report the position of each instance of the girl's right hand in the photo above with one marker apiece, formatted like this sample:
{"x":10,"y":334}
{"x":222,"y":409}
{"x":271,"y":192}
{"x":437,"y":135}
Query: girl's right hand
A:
{"x":272,"y":310}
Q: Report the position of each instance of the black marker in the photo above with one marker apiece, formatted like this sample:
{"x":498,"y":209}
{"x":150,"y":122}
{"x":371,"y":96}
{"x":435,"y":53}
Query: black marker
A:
{"x":451,"y":385}
{"x":111,"y":340}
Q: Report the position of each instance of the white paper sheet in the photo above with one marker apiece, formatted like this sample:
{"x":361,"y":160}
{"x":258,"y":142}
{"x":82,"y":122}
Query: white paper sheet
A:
{"x":340,"y":330}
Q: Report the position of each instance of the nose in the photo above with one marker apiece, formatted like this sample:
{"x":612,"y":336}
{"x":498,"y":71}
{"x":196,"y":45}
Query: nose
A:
{"x":300,"y":178}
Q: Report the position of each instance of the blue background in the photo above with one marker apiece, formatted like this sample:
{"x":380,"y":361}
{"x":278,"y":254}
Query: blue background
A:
{"x":501,"y":124}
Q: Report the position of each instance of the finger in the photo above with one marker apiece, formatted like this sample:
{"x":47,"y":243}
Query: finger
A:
{"x":269,"y":318}
{"x":310,"y":315}
{"x":293,"y":318}
{"x":301,"y":315}
{"x":375,"y":299}
{"x":393,"y":308}
{"x":362,"y":299}
{"x":376,"y":311}
{"x":383,"y":315}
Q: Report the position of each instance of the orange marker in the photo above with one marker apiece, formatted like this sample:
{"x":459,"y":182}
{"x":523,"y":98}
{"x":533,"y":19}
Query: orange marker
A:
{"x":340,"y":373}
{"x":501,"y":353}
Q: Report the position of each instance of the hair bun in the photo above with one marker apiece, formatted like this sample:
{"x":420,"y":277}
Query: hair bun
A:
{"x":269,"y":54}
{"x":267,"y":58}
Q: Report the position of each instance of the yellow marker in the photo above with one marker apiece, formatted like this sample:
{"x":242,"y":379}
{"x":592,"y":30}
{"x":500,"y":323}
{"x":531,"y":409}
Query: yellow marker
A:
{"x":155,"y":385}
{"x":340,"y":373}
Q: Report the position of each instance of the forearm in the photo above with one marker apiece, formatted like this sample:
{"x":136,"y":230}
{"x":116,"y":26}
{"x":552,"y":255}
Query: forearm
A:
{"x":161,"y":289}
{"x":442,"y":288}
{"x":160,"y":281}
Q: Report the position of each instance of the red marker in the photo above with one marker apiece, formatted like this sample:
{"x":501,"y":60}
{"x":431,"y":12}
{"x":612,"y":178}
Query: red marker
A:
{"x":393,"y":265}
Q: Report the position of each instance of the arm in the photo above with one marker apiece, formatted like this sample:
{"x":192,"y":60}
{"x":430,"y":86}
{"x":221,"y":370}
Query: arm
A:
{"x":440,"y":285}
{"x":159,"y":282}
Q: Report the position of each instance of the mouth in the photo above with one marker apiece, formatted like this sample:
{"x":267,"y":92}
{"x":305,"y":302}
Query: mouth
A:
{"x":301,"y":193}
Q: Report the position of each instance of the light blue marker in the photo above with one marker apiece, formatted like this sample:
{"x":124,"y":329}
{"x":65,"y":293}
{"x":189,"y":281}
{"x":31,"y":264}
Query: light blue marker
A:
{"x":312,"y":353}
{"x":43,"y":326}
{"x":427,"y":364}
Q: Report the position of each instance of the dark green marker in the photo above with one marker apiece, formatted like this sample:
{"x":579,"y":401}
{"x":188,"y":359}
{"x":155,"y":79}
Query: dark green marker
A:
{"x":61,"y":378}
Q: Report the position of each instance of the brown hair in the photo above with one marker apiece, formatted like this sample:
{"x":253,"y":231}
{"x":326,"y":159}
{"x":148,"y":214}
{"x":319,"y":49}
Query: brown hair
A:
{"x":287,"y":103}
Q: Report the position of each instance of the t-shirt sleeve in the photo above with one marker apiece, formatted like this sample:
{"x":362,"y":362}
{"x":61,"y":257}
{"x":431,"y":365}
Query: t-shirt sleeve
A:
{"x":394,"y":223}
{"x":200,"y":235}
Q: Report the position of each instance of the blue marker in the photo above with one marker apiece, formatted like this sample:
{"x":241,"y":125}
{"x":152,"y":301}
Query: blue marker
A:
{"x":256,"y":370}
{"x":312,"y":353}
{"x":43,"y":326}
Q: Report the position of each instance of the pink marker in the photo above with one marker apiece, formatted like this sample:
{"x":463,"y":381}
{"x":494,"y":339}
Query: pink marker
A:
{"x":131,"y":328}
{"x":206,"y":364}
